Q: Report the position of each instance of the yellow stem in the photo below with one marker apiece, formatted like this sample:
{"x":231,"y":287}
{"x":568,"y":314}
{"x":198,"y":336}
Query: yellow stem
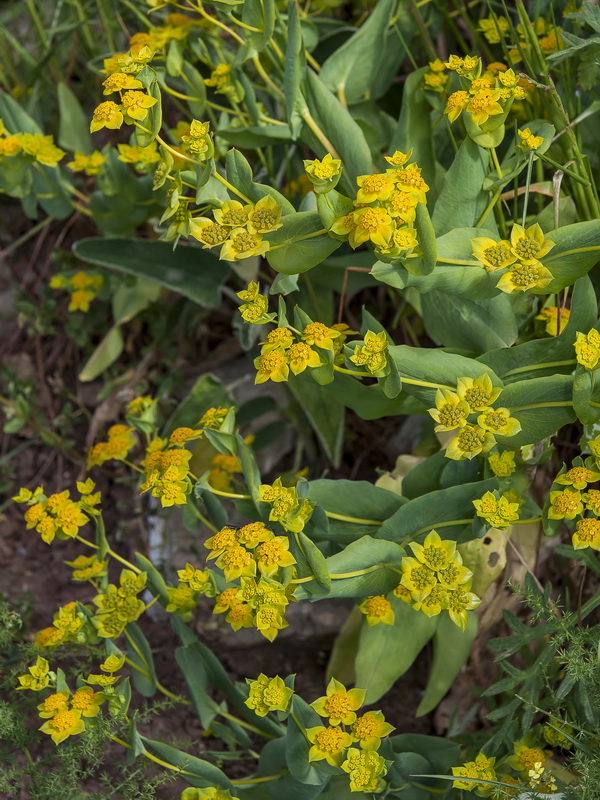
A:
{"x":216,"y":22}
{"x":342,"y":575}
{"x":356,"y":520}
{"x":266,"y":77}
{"x":310,"y":121}
{"x":544,"y":365}
{"x":565,"y":404}
{"x":353,"y":372}
{"x":232,"y":188}
{"x":245,"y":724}
{"x":230,"y":494}
{"x":314,"y":64}
{"x":151,"y":757}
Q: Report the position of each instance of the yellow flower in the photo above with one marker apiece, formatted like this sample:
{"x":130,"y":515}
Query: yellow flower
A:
{"x":451,"y":411}
{"x":502,"y":464}
{"x":436,"y":81}
{"x":494,"y":28}
{"x":411,"y":180}
{"x":373,"y":353}
{"x":276,"y":339}
{"x":119,"y":81}
{"x":89,"y":164}
{"x":479,"y":393}
{"x":526,"y":758}
{"x":106,"y":115}
{"x":219,"y":77}
{"x":53,"y":704}
{"x":339,"y":705}
{"x":268,"y":694}
{"x":587,"y":534}
{"x":592,"y":501}
{"x":272,"y":366}
{"x":235,"y":562}
{"x":377,"y":609}
{"x":268,"y":621}
{"x":182,"y":435}
{"x":398,"y":159}
{"x":301,"y":356}
{"x":587,"y":349}
{"x":493,"y":255}
{"x":529,"y":245}
{"x":328,"y":743}
{"x":435,"y":553}
{"x":213,"y":418}
{"x":372,"y":224}
{"x":344,"y":226}
{"x":417,"y":577}
{"x":470,"y":442}
{"x":210,"y":233}
{"x":181,"y":600}
{"x":323,"y":175}
{"x":402,"y":205}
{"x":565,"y":505}
{"x":480,"y":769}
{"x":63,"y":724}
{"x":499,"y":421}
{"x":370,"y":729}
{"x":220,"y":542}
{"x":456,"y":104}
{"x":87,"y":701}
{"x":556,"y":319}
{"x":434,"y":602}
{"x":137,"y":104}
{"x":319,"y":335}
{"x":523,"y":277}
{"x":455,"y":574}
{"x":528,"y":140}
{"x":243,"y":243}
{"x":578,"y":477}
{"x":374,"y":187}
{"x":39,"y":676}
{"x":233,"y":214}
{"x":273,"y":555}
{"x":112,"y":663}
{"x":364,"y":767}
{"x":484,"y":105}
{"x":265,"y":216}
{"x":198,"y":141}
{"x":86,"y":568}
{"x":497,"y":513}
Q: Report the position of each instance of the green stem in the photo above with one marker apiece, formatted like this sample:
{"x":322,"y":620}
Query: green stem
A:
{"x":568,"y":172}
{"x":301,"y":239}
{"x":544,"y":365}
{"x":355,"y":373}
{"x":230,"y":494}
{"x":310,"y":121}
{"x":355,"y":520}
{"x":565,"y":404}
{"x":527,"y":183}
{"x":231,"y":188}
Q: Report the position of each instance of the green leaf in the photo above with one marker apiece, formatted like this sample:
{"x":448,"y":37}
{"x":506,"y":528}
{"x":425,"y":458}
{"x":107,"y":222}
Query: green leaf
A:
{"x":107,"y":352}
{"x":583,"y":395}
{"x":255,"y":136}
{"x":451,"y":648}
{"x":471,"y":282}
{"x":542,"y":418}
{"x":312,"y":562}
{"x":194,"y":673}
{"x":425,"y":264}
{"x":414,"y":125}
{"x":525,"y":359}
{"x":156,"y":582}
{"x":385,"y":652}
{"x":358,"y":556}
{"x":295,"y":69}
{"x":473,"y":325}
{"x":298,"y":249}
{"x":129,"y":300}
{"x":340,"y":129}
{"x":351,"y":68}
{"x":369,"y":402}
{"x":73,"y":126}
{"x":239,"y":174}
{"x":189,"y":271}
{"x":207,"y":392}
{"x":153,"y":122}
{"x":428,"y":511}
{"x":345,"y":647}
{"x":358,"y":499}
{"x":324,"y":414}
{"x":462,"y":201}
{"x":297,"y":745}
{"x":144,"y":677}
{"x":575,"y":252}
{"x":194,"y":87}
{"x":194,"y":771}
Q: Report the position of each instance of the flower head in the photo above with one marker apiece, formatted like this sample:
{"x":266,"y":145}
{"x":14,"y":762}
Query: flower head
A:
{"x":498,"y":513}
{"x":377,"y":609}
{"x":469,"y":442}
{"x":529,"y":245}
{"x":493,"y":255}
{"x":450,"y":412}
{"x":502,"y":464}
{"x":522,"y":277}
{"x":587,"y":349}
{"x":484,"y":105}
{"x":328,"y":744}
{"x":339,"y":705}
{"x":478,"y":393}
{"x":106,"y":115}
{"x":370,"y":729}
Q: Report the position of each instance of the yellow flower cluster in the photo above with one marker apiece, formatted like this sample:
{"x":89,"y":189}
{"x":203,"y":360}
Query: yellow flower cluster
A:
{"x":193,"y":582}
{"x":336,"y":742}
{"x":90,"y":164}
{"x":498,"y":512}
{"x":134,"y":105}
{"x":33,"y":146}
{"x":242,"y":554}
{"x":255,"y":306}
{"x":57,"y":514}
{"x":386,"y":209}
{"x":213,"y":418}
{"x":268,"y":694}
{"x":291,"y":512}
{"x":143,"y":158}
{"x":120,"y":441}
{"x":483,"y":95}
{"x":555,"y":319}
{"x":574,"y":501}
{"x":239,"y":229}
{"x":436,"y":579}
{"x":118,"y":605}
{"x":453,"y":410}
{"x":372,"y":354}
{"x":495,"y":28}
{"x":436,"y":77}
{"x":68,"y":625}
{"x":281,"y":352}
{"x":472,"y":771}
{"x":223,"y":80}
{"x":587,"y":349}
{"x":83,"y":288}
{"x":377,"y":609}
{"x":323,"y":174}
{"x":223,"y":468}
{"x":166,"y":467}
{"x":520,"y":257}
